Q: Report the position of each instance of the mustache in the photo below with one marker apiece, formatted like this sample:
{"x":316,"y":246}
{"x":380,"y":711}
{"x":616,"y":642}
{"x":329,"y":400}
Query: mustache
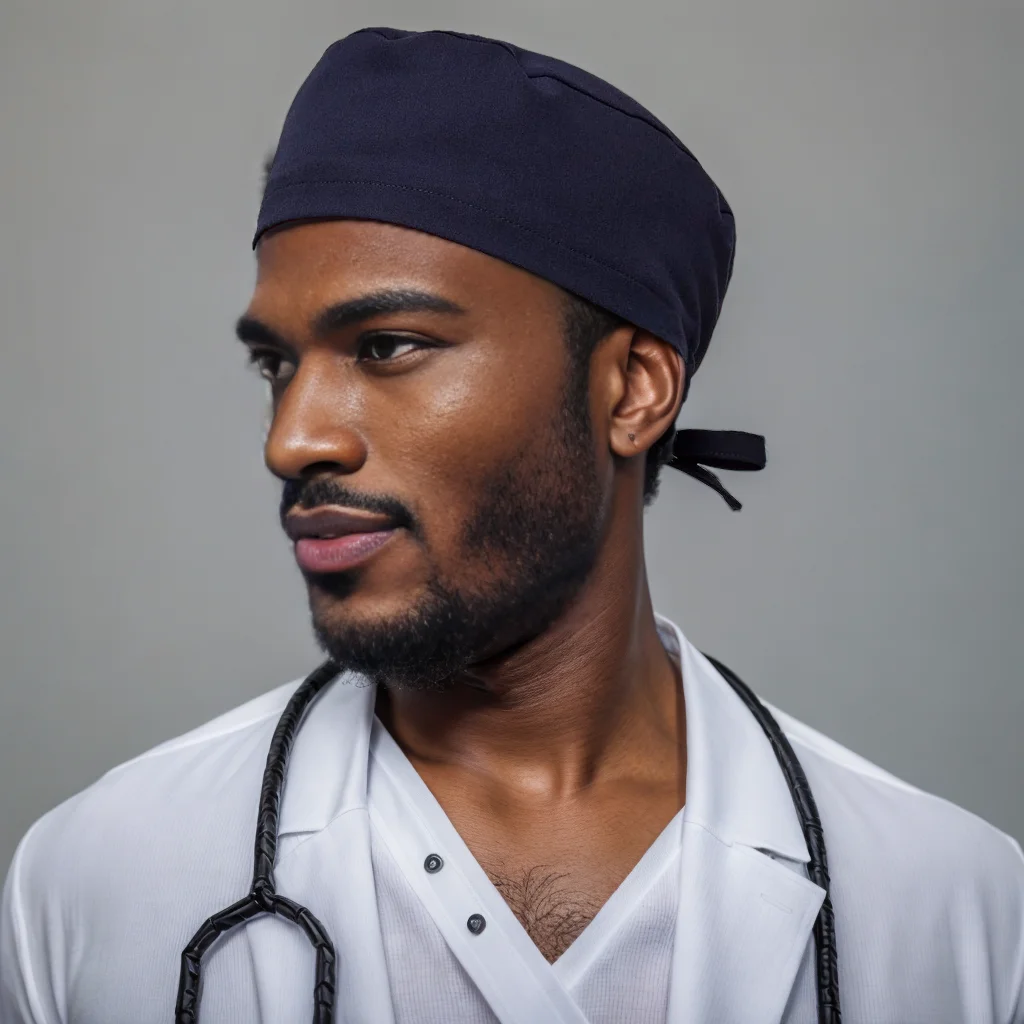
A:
{"x":323,"y":490}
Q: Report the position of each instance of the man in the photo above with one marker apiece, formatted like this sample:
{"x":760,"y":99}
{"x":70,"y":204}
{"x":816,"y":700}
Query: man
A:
{"x":485,"y":280}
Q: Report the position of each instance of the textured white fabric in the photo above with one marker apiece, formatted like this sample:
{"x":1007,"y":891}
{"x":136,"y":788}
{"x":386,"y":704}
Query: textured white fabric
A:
{"x":618,"y":969}
{"x":106,"y":889}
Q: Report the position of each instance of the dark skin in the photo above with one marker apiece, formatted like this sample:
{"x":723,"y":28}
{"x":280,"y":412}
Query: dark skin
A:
{"x":558,"y":757}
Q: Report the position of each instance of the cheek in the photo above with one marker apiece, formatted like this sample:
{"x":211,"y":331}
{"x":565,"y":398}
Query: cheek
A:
{"x":445,"y":437}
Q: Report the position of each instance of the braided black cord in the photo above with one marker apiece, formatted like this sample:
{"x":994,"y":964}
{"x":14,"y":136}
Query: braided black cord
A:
{"x":262,"y":898}
{"x":827,"y":969}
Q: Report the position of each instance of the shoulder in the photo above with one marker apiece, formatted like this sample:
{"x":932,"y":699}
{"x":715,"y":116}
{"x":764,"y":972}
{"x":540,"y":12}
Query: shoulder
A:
{"x":207,"y":762}
{"x":887,"y":811}
{"x":915,"y":879}
{"x":101,"y":865}
{"x":201,"y":770}
{"x":225,"y":731}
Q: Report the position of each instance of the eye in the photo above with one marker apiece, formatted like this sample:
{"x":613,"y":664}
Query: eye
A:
{"x":380,"y":348}
{"x":272,"y":366}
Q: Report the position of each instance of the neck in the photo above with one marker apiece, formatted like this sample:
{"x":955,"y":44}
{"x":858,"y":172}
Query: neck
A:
{"x":593,"y":698}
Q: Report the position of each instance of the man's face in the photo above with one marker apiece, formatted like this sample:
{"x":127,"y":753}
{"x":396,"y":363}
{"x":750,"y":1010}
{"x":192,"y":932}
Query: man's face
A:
{"x":441,"y":477}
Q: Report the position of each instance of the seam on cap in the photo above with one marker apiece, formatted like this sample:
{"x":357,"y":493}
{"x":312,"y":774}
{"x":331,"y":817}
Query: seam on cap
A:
{"x":662,"y":130}
{"x":472,"y":206}
{"x":469,"y":37}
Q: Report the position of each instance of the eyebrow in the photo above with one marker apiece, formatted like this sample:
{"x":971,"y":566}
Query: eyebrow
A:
{"x":353,"y":311}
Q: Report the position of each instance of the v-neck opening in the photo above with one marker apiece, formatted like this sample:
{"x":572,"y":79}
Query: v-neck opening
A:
{"x":616,"y":910}
{"x":599,"y":931}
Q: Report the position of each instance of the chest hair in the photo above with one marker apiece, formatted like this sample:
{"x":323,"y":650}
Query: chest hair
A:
{"x":549,"y":908}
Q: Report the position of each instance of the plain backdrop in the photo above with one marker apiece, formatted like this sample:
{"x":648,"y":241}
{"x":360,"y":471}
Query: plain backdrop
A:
{"x":872,"y":151}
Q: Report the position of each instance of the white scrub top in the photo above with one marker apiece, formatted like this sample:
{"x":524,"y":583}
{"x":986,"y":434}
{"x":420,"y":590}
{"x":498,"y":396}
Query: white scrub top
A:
{"x":618,"y":969}
{"x":106,"y":889}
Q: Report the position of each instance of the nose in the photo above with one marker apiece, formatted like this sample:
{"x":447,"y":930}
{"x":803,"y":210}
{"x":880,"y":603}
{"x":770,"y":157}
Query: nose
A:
{"x":314,"y":425}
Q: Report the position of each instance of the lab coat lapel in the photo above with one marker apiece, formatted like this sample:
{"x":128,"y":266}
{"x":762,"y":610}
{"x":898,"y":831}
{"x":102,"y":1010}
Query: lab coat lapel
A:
{"x":332,"y":875}
{"x":324,"y":863}
{"x":744,"y":923}
{"x":745,"y":918}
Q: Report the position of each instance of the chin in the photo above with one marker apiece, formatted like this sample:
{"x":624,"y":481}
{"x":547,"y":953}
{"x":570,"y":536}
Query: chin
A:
{"x":419,"y":639}
{"x":339,"y":604}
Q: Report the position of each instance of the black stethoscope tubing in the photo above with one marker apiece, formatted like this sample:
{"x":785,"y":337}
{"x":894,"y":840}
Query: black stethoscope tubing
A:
{"x":263,"y":898}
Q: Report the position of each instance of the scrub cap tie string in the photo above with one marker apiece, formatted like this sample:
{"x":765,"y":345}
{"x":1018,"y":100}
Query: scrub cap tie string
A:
{"x":694,"y":450}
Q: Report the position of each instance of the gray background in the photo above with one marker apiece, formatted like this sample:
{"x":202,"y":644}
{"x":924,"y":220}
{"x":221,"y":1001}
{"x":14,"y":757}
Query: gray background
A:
{"x":872,"y":150}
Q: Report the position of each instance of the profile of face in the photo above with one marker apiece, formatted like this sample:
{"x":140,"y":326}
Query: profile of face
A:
{"x":442,"y":478}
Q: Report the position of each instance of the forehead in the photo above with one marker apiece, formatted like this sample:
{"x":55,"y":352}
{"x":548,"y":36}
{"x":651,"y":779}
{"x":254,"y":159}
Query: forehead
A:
{"x":307,"y":265}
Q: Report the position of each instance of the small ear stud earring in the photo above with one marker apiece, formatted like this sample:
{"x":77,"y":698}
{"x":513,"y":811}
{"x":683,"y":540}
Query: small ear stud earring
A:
{"x":632,"y":437}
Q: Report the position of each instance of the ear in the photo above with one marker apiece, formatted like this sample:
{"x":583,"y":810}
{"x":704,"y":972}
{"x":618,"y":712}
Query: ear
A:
{"x":644,"y":378}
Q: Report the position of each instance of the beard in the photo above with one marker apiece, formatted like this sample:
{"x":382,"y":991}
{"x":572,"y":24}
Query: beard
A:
{"x":535,"y":532}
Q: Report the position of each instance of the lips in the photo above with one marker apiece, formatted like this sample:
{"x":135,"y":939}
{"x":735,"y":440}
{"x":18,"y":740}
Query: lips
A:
{"x":334,"y":539}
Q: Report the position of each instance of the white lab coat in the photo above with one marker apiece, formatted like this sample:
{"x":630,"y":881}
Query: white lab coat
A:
{"x":106,"y":889}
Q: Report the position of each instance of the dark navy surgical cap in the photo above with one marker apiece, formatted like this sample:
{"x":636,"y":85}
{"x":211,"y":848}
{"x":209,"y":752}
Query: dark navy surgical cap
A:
{"x":528,"y":159}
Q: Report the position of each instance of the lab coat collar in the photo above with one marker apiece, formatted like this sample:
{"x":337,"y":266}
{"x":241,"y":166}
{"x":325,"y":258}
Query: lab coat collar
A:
{"x":734,"y":788}
{"x":745,"y":918}
{"x":328,"y":766}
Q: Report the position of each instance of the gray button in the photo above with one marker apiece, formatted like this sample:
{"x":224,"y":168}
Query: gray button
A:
{"x":476,"y":923}
{"x":433,"y":864}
